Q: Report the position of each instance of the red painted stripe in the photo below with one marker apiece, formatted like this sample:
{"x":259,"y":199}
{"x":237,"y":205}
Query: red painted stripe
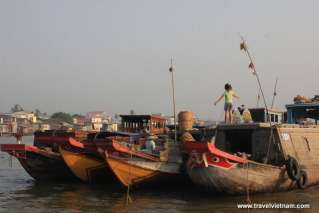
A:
{"x":18,"y":147}
{"x":219,"y":153}
{"x":75,"y":143}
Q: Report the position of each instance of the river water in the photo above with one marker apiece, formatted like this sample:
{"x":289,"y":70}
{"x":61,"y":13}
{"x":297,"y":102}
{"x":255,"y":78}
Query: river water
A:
{"x":20,"y":193}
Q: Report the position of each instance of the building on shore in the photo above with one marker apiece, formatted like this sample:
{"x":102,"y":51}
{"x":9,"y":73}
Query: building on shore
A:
{"x":95,"y":120}
{"x":30,"y":116}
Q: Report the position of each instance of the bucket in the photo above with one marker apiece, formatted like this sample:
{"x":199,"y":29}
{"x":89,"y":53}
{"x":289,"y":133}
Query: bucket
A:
{"x":185,"y":120}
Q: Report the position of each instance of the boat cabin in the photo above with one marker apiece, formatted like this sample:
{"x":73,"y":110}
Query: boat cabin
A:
{"x":251,"y":139}
{"x":299,"y":113}
{"x":155,"y":124}
{"x":260,"y":115}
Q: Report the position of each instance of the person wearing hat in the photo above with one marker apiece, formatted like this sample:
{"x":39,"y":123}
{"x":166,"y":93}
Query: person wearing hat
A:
{"x":228,"y":106}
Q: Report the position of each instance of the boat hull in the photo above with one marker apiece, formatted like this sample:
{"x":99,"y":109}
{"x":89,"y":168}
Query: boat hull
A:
{"x":40,"y":164}
{"x":241,"y":178}
{"x":222,"y":175}
{"x":137,"y":171}
{"x":87,"y":168}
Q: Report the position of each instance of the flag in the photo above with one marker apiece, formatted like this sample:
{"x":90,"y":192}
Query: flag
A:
{"x":252,"y":66}
{"x":243,"y":46}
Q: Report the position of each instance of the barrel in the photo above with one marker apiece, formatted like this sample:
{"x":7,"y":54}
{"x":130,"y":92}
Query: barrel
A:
{"x":185,"y":120}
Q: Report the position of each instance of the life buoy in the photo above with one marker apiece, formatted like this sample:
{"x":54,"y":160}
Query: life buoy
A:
{"x":293,"y":169}
{"x":303,"y":180}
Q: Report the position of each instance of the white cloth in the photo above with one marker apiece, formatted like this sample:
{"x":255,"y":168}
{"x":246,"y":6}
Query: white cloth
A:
{"x":150,"y":145}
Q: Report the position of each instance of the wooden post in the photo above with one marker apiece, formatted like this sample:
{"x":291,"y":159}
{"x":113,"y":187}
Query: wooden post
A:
{"x":171,"y":69}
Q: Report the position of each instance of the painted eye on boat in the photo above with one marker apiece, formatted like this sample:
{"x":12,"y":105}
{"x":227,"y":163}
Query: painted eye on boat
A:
{"x":215,"y":159}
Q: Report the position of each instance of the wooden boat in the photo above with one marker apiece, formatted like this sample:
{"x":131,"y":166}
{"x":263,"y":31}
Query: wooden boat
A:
{"x":84,"y":164}
{"x":54,"y":138}
{"x":40,"y":164}
{"x":141,"y":167}
{"x":242,"y":158}
{"x":43,"y":160}
{"x":86,"y":159}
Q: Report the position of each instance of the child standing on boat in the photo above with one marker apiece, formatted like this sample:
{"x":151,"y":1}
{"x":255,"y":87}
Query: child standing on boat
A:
{"x":228,"y":106}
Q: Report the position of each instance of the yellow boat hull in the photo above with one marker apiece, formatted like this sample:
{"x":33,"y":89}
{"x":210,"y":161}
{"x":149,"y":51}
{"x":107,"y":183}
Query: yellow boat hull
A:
{"x":85,"y":167}
{"x":128,"y":173}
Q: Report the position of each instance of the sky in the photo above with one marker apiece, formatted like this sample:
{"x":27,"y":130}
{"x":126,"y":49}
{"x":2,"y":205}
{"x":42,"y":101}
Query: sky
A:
{"x":93,"y":55}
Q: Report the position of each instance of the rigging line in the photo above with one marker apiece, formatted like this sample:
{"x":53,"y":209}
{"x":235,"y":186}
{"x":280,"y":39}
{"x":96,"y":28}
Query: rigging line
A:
{"x":247,"y":186}
{"x":274,"y":94}
{"x":128,"y":197}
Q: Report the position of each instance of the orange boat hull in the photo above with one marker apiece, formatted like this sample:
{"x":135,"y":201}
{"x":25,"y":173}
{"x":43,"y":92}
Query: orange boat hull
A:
{"x":128,"y":173}
{"x":135,"y":170}
{"x":87,"y":168}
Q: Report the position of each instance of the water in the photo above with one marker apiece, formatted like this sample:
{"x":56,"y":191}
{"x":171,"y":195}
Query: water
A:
{"x":20,"y":193}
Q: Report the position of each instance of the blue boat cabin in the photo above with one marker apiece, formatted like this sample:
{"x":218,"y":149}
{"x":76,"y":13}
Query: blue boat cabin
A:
{"x":297,"y":113}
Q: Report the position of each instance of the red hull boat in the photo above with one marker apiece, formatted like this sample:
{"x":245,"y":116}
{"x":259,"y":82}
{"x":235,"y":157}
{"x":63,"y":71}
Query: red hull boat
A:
{"x":39,"y":163}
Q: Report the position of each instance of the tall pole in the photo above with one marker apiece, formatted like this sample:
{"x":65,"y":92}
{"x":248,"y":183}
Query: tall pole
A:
{"x":243,"y":46}
{"x":275,"y":94}
{"x":171,"y":70}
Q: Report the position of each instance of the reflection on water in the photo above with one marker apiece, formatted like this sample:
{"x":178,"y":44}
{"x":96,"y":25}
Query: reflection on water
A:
{"x":20,"y":193}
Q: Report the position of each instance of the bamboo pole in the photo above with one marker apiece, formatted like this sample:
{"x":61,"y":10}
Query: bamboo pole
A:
{"x":171,"y":69}
{"x":244,"y":46}
{"x":253,"y":67}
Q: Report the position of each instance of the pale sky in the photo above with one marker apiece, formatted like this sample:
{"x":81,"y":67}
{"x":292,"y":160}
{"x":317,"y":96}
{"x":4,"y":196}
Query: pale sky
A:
{"x":79,"y":56}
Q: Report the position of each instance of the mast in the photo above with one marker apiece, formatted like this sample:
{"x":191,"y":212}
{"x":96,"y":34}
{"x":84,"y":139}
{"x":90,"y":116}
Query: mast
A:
{"x":243,"y":46}
{"x":171,"y":70}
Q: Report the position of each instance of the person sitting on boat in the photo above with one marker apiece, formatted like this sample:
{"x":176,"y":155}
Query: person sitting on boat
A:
{"x":228,"y":106}
{"x":150,"y":145}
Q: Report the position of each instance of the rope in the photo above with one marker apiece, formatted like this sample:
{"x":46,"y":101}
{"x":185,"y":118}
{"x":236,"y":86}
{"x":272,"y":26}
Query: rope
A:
{"x":10,"y":161}
{"x":128,"y":197}
{"x":271,"y":138}
{"x":247,"y":186}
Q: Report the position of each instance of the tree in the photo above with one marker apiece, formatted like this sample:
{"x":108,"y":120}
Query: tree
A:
{"x":63,"y":117}
{"x":16,"y":108}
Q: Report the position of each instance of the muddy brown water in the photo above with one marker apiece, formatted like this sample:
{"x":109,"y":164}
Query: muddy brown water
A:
{"x":20,"y":193}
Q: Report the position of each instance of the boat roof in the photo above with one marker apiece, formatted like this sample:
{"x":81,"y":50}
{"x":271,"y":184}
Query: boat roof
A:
{"x":303,"y":105}
{"x":261,"y":125}
{"x":134,"y":118}
{"x":271,"y":110}
{"x":243,"y":126}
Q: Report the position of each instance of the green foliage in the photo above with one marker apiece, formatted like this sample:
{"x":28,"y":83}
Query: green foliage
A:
{"x":63,"y":117}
